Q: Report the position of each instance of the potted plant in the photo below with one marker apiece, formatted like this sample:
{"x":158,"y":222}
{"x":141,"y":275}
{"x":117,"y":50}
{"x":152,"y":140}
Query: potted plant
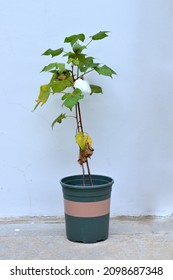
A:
{"x":86,"y":196}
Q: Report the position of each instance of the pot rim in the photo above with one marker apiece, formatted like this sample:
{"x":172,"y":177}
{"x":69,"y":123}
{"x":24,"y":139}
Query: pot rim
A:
{"x":105,"y":181}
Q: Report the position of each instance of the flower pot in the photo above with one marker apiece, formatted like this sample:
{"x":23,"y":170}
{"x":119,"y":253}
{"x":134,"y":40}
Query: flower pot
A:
{"x":87,"y":208}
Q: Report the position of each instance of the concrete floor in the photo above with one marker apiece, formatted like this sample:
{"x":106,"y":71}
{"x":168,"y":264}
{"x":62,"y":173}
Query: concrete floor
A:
{"x":130,"y":238}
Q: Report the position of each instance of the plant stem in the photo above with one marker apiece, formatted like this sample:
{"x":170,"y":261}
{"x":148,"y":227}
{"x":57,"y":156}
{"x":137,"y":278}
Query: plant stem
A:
{"x":86,"y":73}
{"x":89,"y":173}
{"x":77,"y":119}
{"x":72,"y":72}
{"x":81,"y":129}
{"x":80,"y":117}
{"x":88,"y":43}
{"x":77,"y":72}
{"x":83,"y":175}
{"x":78,"y":130}
{"x":70,"y":117}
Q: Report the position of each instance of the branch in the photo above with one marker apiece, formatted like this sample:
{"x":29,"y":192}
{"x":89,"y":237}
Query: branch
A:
{"x":89,"y":43}
{"x":85,"y":73}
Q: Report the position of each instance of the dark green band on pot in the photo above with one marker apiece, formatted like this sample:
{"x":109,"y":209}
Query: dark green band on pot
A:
{"x":87,"y":230}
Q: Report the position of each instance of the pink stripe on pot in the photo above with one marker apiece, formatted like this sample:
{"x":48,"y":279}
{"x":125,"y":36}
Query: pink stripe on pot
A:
{"x":87,"y":209}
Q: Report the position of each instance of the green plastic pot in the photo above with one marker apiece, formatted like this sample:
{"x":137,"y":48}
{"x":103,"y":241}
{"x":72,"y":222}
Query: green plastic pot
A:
{"x":87,"y":208}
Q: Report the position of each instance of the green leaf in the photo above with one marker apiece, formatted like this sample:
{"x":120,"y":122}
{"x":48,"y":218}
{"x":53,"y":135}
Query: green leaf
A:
{"x":80,"y":57}
{"x":73,"y":98}
{"x":59,"y":119}
{"x":58,"y":86}
{"x":43,"y":95}
{"x":88,"y":63}
{"x":75,"y":57}
{"x":77,"y":92}
{"x":77,"y":48}
{"x":73,"y":61}
{"x":81,"y":37}
{"x":60,"y":67}
{"x":69,"y":54}
{"x":71,"y":101}
{"x":53,"y":52}
{"x":105,"y":70}
{"x":95,"y":89}
{"x":66,"y":95}
{"x":100,"y":35}
{"x":49,"y":67}
{"x":73,"y":38}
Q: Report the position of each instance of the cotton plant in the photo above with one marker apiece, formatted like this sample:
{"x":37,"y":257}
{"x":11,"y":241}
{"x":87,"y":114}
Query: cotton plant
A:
{"x":69,"y":80}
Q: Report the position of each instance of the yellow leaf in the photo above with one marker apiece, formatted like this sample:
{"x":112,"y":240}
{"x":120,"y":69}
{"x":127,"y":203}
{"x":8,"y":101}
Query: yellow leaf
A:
{"x":82,"y":140}
{"x":44,"y":94}
{"x":88,"y":139}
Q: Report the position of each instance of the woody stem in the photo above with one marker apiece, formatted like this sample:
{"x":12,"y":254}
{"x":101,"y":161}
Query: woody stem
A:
{"x":79,"y":119}
{"x":78,"y":130}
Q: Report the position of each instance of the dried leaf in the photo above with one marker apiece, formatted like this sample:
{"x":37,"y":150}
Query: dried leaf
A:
{"x":85,"y":154}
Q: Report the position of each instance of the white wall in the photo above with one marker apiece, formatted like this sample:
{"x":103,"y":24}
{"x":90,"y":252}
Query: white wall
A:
{"x":131,"y":124}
